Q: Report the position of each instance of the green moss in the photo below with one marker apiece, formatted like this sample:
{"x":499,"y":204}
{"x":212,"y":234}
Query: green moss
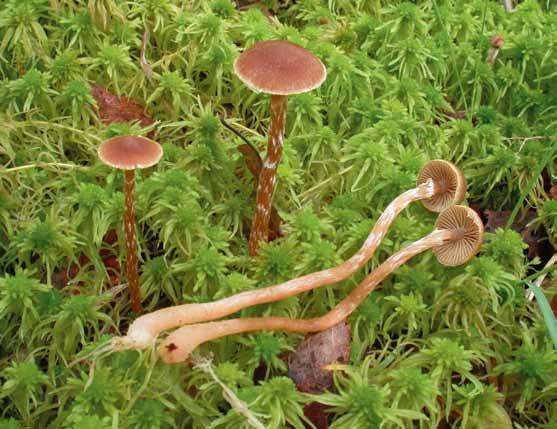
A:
{"x":407,"y":82}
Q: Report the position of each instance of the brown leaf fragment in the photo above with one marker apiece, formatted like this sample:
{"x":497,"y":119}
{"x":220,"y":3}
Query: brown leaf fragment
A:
{"x":496,"y":219}
{"x":318,"y":415}
{"x":114,"y":108}
{"x":553,"y":192}
{"x":531,"y":235}
{"x":306,"y":365}
{"x":531,"y":238}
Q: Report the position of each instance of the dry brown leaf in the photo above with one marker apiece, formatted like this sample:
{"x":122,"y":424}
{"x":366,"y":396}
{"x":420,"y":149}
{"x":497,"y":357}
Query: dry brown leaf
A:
{"x":306,"y":365}
{"x":114,"y":108}
{"x":318,"y":415}
{"x":496,"y":219}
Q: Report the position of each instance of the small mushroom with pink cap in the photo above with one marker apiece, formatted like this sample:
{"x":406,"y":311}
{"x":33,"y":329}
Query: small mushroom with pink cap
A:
{"x":129,"y":153}
{"x":279,"y":68}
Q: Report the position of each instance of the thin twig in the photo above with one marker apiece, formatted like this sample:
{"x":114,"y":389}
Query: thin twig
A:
{"x":145,"y":66}
{"x":205,"y":365}
{"x":320,"y":184}
{"x":237,"y":133}
{"x":41,"y":165}
{"x":525,"y":138}
{"x":508,"y":4}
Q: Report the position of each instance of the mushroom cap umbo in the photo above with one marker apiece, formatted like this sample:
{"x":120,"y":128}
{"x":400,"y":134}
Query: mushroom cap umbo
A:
{"x":130,"y":152}
{"x":449,"y":178}
{"x":468,"y":225}
{"x":279,"y":67}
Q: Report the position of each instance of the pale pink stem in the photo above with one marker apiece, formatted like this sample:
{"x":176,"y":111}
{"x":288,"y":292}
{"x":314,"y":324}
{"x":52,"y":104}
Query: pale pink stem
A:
{"x":178,"y":345}
{"x":152,"y":324}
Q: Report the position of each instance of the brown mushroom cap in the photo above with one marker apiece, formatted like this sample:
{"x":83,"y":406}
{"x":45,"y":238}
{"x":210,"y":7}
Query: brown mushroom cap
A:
{"x":279,"y":67}
{"x":130,"y":152}
{"x":449,"y":178}
{"x":466,"y":222}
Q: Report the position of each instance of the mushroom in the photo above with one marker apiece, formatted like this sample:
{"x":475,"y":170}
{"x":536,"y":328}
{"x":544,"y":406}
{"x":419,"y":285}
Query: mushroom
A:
{"x":449,"y":180}
{"x":279,"y":68}
{"x":439,"y":185}
{"x":128,"y":153}
{"x":457,"y":238}
{"x":496,"y":43}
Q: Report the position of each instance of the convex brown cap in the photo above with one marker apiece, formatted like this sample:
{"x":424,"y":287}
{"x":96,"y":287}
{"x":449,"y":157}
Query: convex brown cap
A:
{"x":279,"y":67}
{"x":130,"y":152}
{"x":449,"y":179}
{"x":465,"y":222}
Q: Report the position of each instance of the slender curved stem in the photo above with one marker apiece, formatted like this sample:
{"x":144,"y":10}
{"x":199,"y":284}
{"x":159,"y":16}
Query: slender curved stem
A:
{"x":178,"y":345}
{"x":131,"y":251}
{"x":152,"y":324}
{"x":267,"y":178}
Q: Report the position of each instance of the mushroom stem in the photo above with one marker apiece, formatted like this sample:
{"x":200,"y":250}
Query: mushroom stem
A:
{"x":267,"y":178}
{"x":179,"y":344}
{"x":131,"y":251}
{"x":145,"y":328}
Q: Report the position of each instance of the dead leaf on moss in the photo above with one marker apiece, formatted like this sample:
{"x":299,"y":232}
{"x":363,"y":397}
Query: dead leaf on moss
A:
{"x":553,"y":192}
{"x":306,"y":365}
{"x":496,"y":219}
{"x":530,"y":235}
{"x":114,"y":108}
{"x":318,"y":415}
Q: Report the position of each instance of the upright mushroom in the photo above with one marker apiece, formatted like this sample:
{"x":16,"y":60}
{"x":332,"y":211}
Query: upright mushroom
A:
{"x":128,"y":153}
{"x":457,"y":237}
{"x":439,"y":185}
{"x":279,"y":68}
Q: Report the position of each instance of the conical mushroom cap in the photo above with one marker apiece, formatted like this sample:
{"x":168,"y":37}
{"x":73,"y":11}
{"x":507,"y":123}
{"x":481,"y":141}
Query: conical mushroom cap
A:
{"x":279,"y":67}
{"x":449,"y":178}
{"x":465,"y":222}
{"x":130,"y":152}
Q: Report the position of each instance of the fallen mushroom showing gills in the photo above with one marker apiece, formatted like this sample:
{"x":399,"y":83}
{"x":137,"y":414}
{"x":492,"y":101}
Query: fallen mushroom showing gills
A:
{"x":457,"y":238}
{"x":279,"y":68}
{"x":128,"y":153}
{"x":439,"y":185}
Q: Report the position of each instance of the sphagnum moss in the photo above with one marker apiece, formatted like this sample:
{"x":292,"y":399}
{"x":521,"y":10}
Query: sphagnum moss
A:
{"x":412,"y":78}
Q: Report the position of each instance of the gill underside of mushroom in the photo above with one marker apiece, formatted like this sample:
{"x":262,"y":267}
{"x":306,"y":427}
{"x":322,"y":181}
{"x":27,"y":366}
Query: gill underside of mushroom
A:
{"x":178,"y":345}
{"x":131,"y":251}
{"x":267,"y":178}
{"x":172,"y":317}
